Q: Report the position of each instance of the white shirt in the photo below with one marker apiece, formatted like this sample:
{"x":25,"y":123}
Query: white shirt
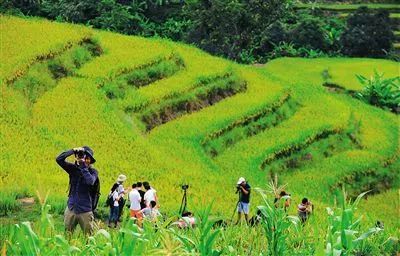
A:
{"x":151,"y":213}
{"x":120,"y":188}
{"x":114,"y":197}
{"x":135,"y":199}
{"x":149,"y":196}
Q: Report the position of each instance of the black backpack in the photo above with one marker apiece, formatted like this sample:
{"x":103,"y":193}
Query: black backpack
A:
{"x":110,"y":200}
{"x":94,"y":191}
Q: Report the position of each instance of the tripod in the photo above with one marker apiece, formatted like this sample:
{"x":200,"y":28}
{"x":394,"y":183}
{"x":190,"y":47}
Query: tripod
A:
{"x":182,"y":209}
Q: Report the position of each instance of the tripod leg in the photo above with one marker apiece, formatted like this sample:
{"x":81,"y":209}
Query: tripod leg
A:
{"x":184,"y":202}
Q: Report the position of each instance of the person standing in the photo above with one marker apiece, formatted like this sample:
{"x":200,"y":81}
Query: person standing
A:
{"x":244,"y":190}
{"x":114,"y":206}
{"x":141,"y":192}
{"x":82,"y":178}
{"x":121,"y":193}
{"x":135,"y":199}
{"x":150,"y":195}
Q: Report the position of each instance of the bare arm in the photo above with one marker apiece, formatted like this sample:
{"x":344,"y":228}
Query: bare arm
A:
{"x":244,"y":190}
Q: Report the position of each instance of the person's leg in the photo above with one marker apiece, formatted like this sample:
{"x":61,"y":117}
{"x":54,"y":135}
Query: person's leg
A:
{"x":246,"y":209}
{"x":240,"y":210}
{"x":116,"y":214}
{"x":110,"y":217}
{"x":246,"y":217}
{"x":121,"y":208}
{"x":70,"y":221}
{"x":238,"y":219}
{"x":86,"y":222}
{"x":139,"y":217}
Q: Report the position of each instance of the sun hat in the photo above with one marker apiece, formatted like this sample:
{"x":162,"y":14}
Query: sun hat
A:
{"x":121,"y":178}
{"x":90,"y":153}
{"x":241,"y":180}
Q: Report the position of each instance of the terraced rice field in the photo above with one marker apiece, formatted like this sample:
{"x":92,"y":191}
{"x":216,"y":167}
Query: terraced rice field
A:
{"x":171,"y":114}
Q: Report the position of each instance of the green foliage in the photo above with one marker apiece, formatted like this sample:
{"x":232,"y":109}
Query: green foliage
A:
{"x":276,"y":224}
{"x":367,"y":34}
{"x":377,"y":91}
{"x":203,"y":237}
{"x":236,"y":29}
{"x":309,"y":33}
{"x":76,"y":112}
{"x":117,"y":17}
{"x":343,"y":235}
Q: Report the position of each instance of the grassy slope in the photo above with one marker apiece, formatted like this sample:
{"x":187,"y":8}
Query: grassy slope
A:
{"x":76,"y":112}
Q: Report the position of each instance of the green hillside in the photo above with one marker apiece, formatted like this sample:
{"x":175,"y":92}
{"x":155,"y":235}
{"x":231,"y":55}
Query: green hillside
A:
{"x":171,"y":114}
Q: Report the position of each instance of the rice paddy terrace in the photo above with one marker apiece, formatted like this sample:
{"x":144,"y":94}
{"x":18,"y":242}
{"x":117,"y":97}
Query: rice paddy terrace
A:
{"x":171,"y":114}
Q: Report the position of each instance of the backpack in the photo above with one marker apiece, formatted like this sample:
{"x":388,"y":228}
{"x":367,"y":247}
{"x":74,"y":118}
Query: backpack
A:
{"x":94,"y":191}
{"x":109,"y":200}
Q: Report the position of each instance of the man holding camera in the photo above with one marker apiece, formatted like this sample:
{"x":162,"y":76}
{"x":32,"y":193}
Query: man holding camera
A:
{"x":82,"y":178}
{"x":244,"y":199}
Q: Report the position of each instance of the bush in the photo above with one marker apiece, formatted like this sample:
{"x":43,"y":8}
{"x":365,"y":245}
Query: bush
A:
{"x":308,"y":33}
{"x":367,"y":34}
{"x":234,"y":29}
{"x":384,"y":93}
{"x":120,"y":18}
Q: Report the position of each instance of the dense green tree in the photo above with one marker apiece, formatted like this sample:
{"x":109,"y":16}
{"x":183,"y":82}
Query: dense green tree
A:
{"x":367,"y":34}
{"x":234,"y":28}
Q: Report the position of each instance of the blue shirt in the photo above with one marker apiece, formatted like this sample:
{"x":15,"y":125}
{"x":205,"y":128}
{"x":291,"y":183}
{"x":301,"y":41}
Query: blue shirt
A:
{"x":81,"y":178}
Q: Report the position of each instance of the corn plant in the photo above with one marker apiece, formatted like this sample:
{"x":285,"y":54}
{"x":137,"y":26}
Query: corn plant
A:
{"x":276,"y":224}
{"x":344,"y":228}
{"x":200,"y":240}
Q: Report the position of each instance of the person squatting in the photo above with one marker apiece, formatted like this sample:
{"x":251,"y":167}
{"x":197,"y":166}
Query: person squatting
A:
{"x":143,"y":203}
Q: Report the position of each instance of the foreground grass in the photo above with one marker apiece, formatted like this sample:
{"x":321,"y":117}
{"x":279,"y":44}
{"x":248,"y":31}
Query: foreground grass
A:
{"x":277,"y":234}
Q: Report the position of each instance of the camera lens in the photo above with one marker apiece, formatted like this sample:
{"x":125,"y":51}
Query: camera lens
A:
{"x":80,"y":154}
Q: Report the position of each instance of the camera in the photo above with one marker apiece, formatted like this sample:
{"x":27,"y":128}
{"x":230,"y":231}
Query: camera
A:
{"x":184,"y":187}
{"x":80,"y":154}
{"x":238,"y":188}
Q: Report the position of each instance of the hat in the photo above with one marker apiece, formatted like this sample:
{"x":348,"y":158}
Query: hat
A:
{"x":90,"y":153}
{"x":241,"y":180}
{"x":121,"y":178}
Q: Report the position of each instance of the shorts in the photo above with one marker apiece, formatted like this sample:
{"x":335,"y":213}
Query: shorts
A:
{"x":243,"y":207}
{"x":136,"y":214}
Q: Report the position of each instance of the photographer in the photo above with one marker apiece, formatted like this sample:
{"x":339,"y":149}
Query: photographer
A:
{"x":283,"y":196}
{"x":244,"y":199}
{"x":82,"y":178}
{"x":304,"y":209}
